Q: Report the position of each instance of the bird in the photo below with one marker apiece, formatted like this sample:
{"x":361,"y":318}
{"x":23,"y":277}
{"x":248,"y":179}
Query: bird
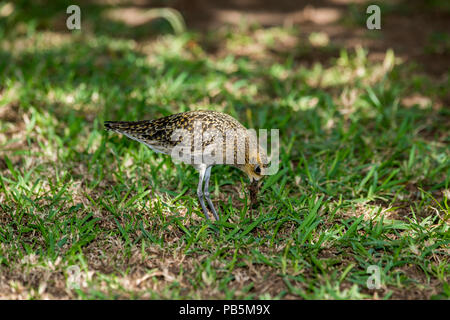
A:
{"x":202,"y":138}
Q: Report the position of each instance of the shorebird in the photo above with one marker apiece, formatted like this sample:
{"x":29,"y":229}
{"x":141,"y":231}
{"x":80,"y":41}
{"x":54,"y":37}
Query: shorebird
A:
{"x":203,"y":139}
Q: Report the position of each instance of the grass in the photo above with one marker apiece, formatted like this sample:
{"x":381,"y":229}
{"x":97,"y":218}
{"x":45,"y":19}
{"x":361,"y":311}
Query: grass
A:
{"x":364,"y":170}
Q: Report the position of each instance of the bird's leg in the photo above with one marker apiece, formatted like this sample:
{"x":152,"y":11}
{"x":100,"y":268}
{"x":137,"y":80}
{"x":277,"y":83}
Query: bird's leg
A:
{"x":206,"y":193}
{"x":201,"y":176}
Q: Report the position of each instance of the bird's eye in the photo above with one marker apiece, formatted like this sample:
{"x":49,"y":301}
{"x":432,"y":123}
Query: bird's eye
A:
{"x":257,"y":170}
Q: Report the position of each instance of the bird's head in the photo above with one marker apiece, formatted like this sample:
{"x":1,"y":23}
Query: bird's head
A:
{"x":255,"y":165}
{"x":255,"y":172}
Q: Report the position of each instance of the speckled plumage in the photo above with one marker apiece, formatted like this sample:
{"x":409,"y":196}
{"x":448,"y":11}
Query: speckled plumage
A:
{"x":159,"y":135}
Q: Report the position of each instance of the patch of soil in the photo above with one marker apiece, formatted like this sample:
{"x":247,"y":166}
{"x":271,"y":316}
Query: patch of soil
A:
{"x":409,"y":29}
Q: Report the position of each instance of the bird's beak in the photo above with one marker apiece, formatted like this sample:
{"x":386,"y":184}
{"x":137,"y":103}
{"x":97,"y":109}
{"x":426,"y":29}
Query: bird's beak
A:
{"x":254,"y":188}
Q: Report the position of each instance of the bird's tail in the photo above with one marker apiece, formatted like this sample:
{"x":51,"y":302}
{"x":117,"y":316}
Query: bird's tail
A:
{"x":116,"y":125}
{"x":124,"y":126}
{"x":109,"y":125}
